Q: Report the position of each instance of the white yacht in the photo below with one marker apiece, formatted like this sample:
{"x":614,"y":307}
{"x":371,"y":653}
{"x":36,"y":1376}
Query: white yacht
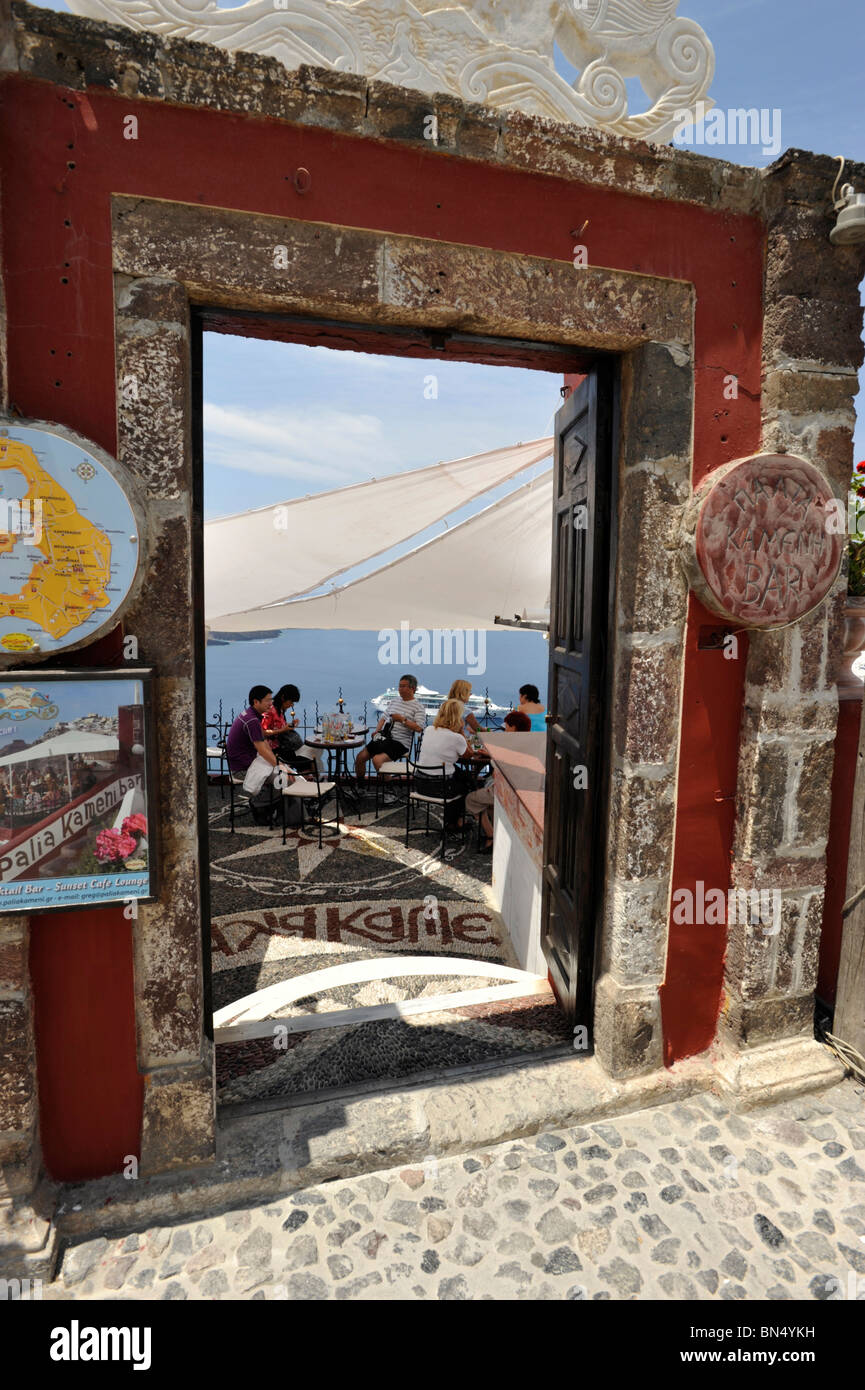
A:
{"x":432,"y":700}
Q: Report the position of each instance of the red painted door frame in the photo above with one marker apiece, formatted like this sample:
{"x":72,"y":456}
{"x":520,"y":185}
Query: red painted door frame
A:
{"x":62,"y":155}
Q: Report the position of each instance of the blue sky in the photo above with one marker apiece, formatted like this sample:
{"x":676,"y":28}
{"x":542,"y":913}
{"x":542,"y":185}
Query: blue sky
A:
{"x":282,"y":421}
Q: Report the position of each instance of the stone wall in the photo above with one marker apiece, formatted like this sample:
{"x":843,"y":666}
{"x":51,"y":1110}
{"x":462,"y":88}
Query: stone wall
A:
{"x":153,"y":433}
{"x":812,"y":350}
{"x":651,"y":610}
{"x":19,"y":1156}
{"x":166,"y":254}
{"x":226,"y":258}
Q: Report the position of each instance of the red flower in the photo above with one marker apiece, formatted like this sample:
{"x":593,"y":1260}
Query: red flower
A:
{"x":860,"y":468}
{"x":860,"y":491}
{"x":113,"y":844}
{"x":135,"y":825}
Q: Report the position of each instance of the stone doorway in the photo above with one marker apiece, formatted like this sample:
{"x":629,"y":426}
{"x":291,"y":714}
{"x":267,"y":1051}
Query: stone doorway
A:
{"x":281,"y":916}
{"x":170,"y":258}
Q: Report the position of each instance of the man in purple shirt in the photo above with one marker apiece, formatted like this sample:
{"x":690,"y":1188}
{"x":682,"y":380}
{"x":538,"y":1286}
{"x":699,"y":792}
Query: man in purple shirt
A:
{"x":245,"y":737}
{"x":245,"y":742}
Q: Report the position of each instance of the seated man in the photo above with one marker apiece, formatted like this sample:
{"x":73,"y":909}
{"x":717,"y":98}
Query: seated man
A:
{"x":392,"y":735}
{"x":480,"y":803}
{"x":245,"y":744}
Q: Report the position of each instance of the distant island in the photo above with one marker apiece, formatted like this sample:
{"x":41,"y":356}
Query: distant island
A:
{"x":223,"y":639}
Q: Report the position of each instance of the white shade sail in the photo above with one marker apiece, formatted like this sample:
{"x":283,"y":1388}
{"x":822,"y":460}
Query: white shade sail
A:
{"x":280,"y":552}
{"x":64,"y":745}
{"x":496,"y":563}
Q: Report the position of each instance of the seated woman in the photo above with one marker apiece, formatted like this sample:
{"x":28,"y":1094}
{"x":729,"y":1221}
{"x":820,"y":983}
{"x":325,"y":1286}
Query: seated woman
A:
{"x":530,"y":704}
{"x":441,"y":746}
{"x":480,"y":803}
{"x":461,"y":690}
{"x":278,"y":724}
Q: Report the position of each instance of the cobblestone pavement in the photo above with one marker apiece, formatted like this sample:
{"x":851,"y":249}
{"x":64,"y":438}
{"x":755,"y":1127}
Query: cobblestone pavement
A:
{"x":684,"y":1201}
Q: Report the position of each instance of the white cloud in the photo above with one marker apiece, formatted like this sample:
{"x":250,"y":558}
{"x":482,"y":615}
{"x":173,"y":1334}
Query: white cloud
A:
{"x":334,"y":445}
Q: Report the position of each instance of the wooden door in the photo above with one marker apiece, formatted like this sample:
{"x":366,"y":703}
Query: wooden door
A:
{"x":576,"y":765}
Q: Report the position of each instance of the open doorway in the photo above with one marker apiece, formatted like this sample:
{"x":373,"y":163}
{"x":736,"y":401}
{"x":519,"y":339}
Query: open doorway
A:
{"x":371,"y":883}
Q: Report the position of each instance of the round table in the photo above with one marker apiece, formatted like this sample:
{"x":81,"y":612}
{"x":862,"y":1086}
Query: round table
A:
{"x":340,"y":748}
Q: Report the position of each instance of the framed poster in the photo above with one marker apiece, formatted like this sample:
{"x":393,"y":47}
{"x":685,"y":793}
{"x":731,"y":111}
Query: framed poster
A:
{"x":76,"y":789}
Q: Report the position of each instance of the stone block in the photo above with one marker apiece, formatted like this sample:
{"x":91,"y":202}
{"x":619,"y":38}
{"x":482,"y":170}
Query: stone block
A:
{"x":810,"y":715}
{"x":161,"y":615}
{"x":815,"y":329}
{"x":600,"y":308}
{"x":773,"y":1072}
{"x":761,"y":795}
{"x":833,"y":453}
{"x":14,"y":971}
{"x":641,"y":825}
{"x":814,"y":794}
{"x":252,"y":261}
{"x":168,"y":969}
{"x":788,"y":944}
{"x":751,"y":1023}
{"x":810,"y":636}
{"x":178,"y":1124}
{"x":801,"y":260}
{"x":659,"y":401}
{"x":635,"y":945}
{"x":627,"y":1032}
{"x":651,"y":592}
{"x":807,"y":392}
{"x":339,"y":104}
{"x":811,"y":915}
{"x":15,"y":1023}
{"x":647,"y":700}
{"x":769,"y":660}
{"x":750,"y":953}
{"x":478,"y":131}
{"x":17,"y":1092}
{"x":19,"y":1163}
{"x":153,"y":300}
{"x":803,"y":872}
{"x":152,"y":410}
{"x":400,"y":113}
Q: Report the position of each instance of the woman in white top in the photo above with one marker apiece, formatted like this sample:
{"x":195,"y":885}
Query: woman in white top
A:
{"x":441,"y":746}
{"x":444,"y":742}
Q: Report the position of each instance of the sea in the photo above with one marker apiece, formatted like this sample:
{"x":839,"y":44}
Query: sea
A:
{"x":324,"y":663}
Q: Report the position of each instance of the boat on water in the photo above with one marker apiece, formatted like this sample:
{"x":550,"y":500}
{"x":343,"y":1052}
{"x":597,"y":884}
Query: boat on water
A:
{"x":433,"y":701}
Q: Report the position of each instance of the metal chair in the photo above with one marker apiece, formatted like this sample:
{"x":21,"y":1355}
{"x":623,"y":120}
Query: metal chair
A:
{"x":304,"y":791}
{"x":236,"y":779}
{"x":216,"y":749}
{"x":395,"y":770}
{"x":443,"y":795}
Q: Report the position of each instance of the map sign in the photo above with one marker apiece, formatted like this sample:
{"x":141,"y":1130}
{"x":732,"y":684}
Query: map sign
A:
{"x":69,"y":542}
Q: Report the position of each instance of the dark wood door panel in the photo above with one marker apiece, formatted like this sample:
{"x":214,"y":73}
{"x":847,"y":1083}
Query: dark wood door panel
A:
{"x":579,"y":592}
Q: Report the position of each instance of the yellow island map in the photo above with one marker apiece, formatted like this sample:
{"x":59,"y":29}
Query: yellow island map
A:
{"x":69,"y":585}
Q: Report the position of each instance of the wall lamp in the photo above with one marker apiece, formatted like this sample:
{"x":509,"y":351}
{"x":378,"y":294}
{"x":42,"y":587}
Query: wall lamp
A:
{"x":850,"y":206}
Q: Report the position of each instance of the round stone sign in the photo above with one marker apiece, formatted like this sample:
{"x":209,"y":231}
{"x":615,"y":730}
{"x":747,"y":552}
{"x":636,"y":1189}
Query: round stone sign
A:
{"x":769,"y":539}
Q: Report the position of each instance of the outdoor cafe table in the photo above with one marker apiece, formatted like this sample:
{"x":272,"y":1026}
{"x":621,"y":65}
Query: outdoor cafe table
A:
{"x":340,"y":749}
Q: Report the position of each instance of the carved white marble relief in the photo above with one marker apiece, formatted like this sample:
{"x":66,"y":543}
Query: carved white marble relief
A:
{"x":498,"y":52}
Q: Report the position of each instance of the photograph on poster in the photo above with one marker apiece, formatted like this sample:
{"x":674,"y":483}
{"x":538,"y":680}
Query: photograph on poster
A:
{"x":74,"y":789}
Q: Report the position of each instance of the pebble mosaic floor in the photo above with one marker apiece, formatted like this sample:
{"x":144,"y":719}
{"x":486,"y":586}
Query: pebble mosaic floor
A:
{"x":278,"y":912}
{"x":679,"y":1202}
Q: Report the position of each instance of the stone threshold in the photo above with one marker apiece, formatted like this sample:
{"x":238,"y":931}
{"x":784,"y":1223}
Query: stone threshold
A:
{"x":272,"y":1152}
